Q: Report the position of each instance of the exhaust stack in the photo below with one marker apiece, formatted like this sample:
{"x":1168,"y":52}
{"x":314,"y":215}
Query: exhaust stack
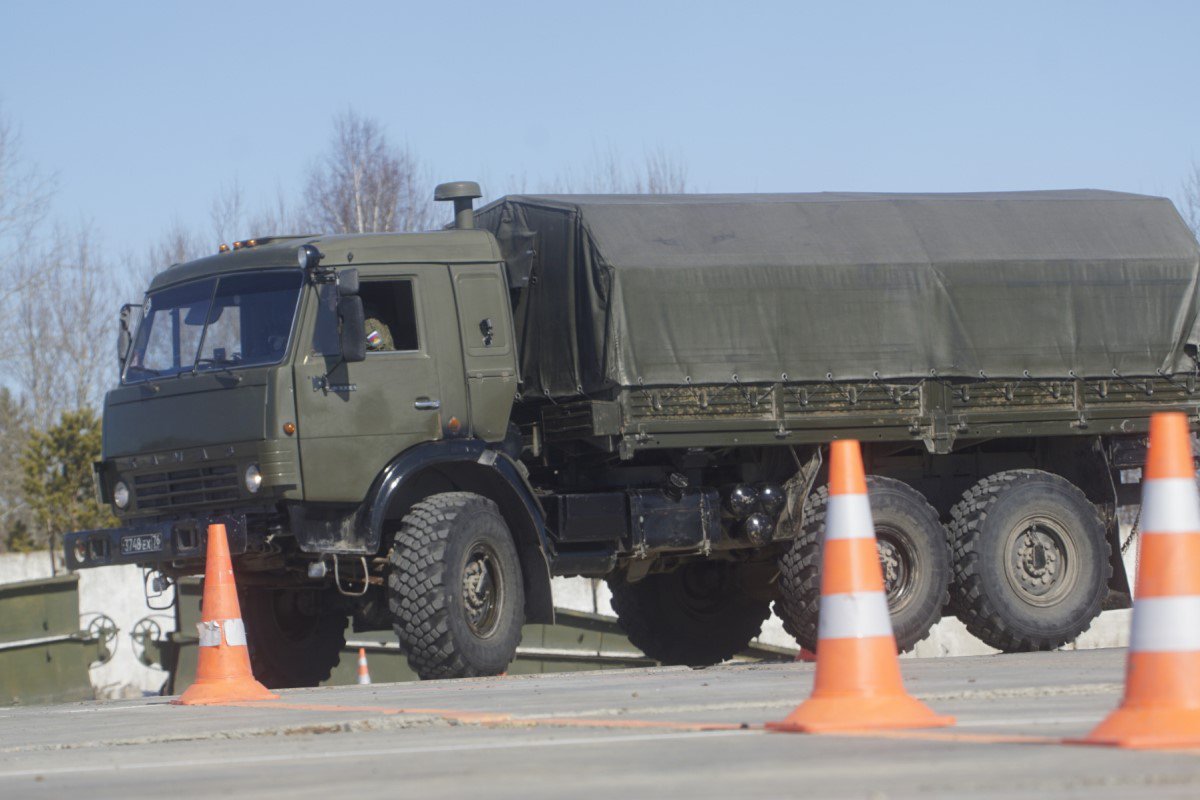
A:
{"x":462,"y":193}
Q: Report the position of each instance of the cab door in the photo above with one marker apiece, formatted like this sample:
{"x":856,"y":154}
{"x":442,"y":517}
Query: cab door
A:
{"x":355,"y":418}
{"x":488,"y":350}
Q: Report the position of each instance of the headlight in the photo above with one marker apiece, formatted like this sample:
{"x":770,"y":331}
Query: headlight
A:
{"x":121,"y":495}
{"x":308,"y":256}
{"x":253,"y":479}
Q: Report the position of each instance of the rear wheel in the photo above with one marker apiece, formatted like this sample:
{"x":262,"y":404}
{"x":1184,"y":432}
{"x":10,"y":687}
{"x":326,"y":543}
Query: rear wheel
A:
{"x":698,"y":615}
{"x":913,"y":553}
{"x":295,"y":636}
{"x":455,"y":590}
{"x":1031,"y":560}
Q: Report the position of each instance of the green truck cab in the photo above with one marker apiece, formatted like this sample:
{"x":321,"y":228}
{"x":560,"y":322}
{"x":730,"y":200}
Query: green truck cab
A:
{"x":639,"y":389}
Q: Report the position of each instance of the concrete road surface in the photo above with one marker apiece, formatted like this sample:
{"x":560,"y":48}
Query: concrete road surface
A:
{"x":669,"y":732}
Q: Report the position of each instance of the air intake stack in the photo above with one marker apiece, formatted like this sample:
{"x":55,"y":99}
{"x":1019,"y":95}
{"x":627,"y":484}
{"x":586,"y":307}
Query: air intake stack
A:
{"x":462,"y":193}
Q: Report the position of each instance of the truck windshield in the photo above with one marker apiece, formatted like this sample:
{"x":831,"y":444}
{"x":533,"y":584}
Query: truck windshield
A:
{"x":215,"y":324}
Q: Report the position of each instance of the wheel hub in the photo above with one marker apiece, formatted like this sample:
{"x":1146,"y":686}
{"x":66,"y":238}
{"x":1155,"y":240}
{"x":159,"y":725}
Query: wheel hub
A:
{"x":893,"y":567}
{"x":1039,"y":557}
{"x":482,"y":591}
{"x":1039,"y":561}
{"x":898,"y":563}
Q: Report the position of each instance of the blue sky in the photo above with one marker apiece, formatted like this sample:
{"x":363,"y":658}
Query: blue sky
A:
{"x":144,"y":110}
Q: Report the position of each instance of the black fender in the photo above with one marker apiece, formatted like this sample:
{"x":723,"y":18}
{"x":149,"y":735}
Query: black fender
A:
{"x":473,"y":466}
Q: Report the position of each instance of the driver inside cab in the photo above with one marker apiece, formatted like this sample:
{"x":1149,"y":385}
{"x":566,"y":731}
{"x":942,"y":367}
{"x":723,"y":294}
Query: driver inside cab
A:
{"x":379,"y":336}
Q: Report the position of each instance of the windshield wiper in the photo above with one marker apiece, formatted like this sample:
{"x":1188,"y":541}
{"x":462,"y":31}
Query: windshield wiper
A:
{"x":224,"y":365}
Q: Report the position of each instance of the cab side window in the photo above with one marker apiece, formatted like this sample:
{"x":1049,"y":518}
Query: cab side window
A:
{"x":391,"y":312}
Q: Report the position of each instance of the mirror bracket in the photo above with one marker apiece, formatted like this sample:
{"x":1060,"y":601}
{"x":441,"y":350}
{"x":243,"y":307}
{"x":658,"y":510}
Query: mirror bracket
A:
{"x":346,"y":280}
{"x":125,"y":332}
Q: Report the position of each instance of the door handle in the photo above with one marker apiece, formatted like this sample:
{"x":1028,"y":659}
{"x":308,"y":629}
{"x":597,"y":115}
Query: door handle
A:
{"x":425,"y":404}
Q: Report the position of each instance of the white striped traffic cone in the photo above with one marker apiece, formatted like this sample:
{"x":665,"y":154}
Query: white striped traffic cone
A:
{"x":1161,"y":707}
{"x":858,"y":684}
{"x":364,"y":674}
{"x":223,"y":673}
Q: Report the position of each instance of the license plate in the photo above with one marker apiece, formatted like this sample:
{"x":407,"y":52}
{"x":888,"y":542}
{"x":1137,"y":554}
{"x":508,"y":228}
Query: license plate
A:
{"x":141,"y":543}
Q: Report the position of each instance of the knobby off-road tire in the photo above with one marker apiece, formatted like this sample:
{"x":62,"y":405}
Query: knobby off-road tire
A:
{"x":698,"y":615}
{"x":1031,"y":564}
{"x":454,"y":588}
{"x":295,"y":636}
{"x":914,"y":554}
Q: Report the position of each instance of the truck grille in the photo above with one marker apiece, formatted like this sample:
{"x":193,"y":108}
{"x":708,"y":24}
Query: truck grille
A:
{"x":185,"y":487}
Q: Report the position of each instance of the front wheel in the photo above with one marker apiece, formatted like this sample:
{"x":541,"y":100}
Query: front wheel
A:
{"x":698,"y":615}
{"x":455,"y":591}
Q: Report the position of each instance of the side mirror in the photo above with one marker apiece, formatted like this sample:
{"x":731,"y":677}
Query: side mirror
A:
{"x":347,"y":282}
{"x":352,"y":329}
{"x":125,"y":323}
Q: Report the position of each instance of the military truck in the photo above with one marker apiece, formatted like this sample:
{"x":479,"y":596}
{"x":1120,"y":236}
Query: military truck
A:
{"x":640,"y":389}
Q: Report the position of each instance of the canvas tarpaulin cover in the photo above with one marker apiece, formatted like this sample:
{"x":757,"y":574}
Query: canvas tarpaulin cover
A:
{"x":656,"y":290}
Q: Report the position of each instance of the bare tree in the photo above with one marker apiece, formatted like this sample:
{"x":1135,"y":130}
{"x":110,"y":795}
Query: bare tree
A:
{"x":25,"y":193}
{"x":66,"y":303}
{"x":665,"y":173}
{"x":85,"y":318}
{"x":227,"y":213}
{"x":279,"y":218}
{"x":365,"y":184}
{"x":493,"y":189}
{"x":608,"y":172}
{"x":177,"y":244}
{"x":14,"y":434}
{"x":230,"y":218}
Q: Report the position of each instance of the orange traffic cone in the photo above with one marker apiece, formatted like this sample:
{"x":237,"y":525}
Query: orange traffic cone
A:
{"x":223,"y":671}
{"x":858,"y":684}
{"x":1161,"y":707}
{"x":364,"y":674}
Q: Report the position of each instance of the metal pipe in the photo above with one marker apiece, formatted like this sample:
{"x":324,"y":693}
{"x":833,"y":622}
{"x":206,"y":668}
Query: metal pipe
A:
{"x":65,"y":637}
{"x":464,"y":213}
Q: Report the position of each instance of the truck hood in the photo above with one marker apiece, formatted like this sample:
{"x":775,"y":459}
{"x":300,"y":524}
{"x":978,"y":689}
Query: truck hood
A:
{"x":187,"y":411}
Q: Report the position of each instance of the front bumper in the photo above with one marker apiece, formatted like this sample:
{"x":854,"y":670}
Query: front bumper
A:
{"x":163,"y":542}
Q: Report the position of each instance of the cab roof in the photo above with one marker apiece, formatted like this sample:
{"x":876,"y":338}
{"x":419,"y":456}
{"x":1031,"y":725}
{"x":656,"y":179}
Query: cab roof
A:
{"x":359,"y":250}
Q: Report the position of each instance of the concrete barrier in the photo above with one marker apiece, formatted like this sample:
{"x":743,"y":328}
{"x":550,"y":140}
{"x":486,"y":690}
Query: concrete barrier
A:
{"x":117,"y":593}
{"x":44,"y":656}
